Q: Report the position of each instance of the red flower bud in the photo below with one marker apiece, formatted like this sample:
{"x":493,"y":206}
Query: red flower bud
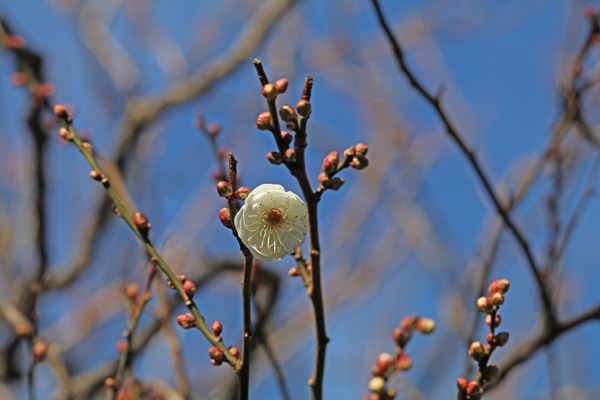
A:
{"x":287,"y":137}
{"x":384,"y":361}
{"x":473,"y":388}
{"x":242,"y":193}
{"x":225,"y":217}
{"x":324,"y":180}
{"x":361,"y":150}
{"x":484,"y":305}
{"x":186,"y":321}
{"x":290,"y":155}
{"x":189,"y":288}
{"x":425,"y":325}
{"x":497,"y":299}
{"x":304,"y":108}
{"x":461,"y":384}
{"x":13,"y":42}
{"x":281,"y":85}
{"x":502,"y":338}
{"x":590,"y":11}
{"x":294,"y":272}
{"x":217,"y":328}
{"x":224,"y":189}
{"x":269,"y":91}
{"x":24,"y":329}
{"x":404,"y":362}
{"x":263,"y":122}
{"x":39,"y":350}
{"x":141,"y":222}
{"x":330,"y":163}
{"x":60,"y":111}
{"x":287,"y":113}
{"x":275,"y":157}
{"x":498,"y":320}
{"x":477,"y":351}
{"x":337,"y":183}
{"x":407,"y":322}
{"x":234,"y":351}
{"x":499,"y":286}
{"x":216,"y":354}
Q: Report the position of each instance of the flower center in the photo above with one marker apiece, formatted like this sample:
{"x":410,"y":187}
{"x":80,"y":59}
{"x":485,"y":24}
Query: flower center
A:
{"x":273,"y":217}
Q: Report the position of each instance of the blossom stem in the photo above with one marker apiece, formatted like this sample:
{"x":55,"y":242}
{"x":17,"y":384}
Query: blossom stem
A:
{"x":302,"y":268}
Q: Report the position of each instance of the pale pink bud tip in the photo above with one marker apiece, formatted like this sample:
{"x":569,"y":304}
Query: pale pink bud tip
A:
{"x":121,"y":344}
{"x":186,"y":321}
{"x":485,"y":305}
{"x":132,"y":289}
{"x":39,"y":350}
{"x":287,"y":113}
{"x":404,"y":362}
{"x":263,"y":122}
{"x":330,"y":162}
{"x":217,"y":328}
{"x":461,"y":384}
{"x":275,"y":158}
{"x":225,"y":217}
{"x":88,"y":147}
{"x":377,"y":384}
{"x":290,"y":155}
{"x":64,"y":133}
{"x":499,"y":286}
{"x":234,"y":351}
{"x":224,"y":189}
{"x":361,"y":150}
{"x":282,"y":85}
{"x":242,"y":193}
{"x":304,"y":108}
{"x":477,"y":351}
{"x":384,"y":361}
{"x":498,"y":320}
{"x":269,"y":91}
{"x":141,"y":222}
{"x":189,"y":288}
{"x":294,"y":272}
{"x":425,"y":325}
{"x":60,"y":111}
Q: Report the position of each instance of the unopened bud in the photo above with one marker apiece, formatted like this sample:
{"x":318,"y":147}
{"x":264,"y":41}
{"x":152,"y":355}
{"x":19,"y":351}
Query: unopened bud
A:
{"x":484,"y":305}
{"x":242,"y":193}
{"x":294,"y":271}
{"x":590,"y":11}
{"x":461,"y":384}
{"x":186,"y":321}
{"x":39,"y":350}
{"x":141,"y":222}
{"x":281,"y":85}
{"x":88,"y":147}
{"x":498,"y":320}
{"x":330,"y":162}
{"x":13,"y":42}
{"x":473,"y":388}
{"x":361,"y":150}
{"x":384,"y":361}
{"x":132,"y":289}
{"x":121,"y":345}
{"x":499,"y":286}
{"x":404,"y":362}
{"x":287,"y":113}
{"x":60,"y":111}
{"x":407,"y":323}
{"x":96,"y":175}
{"x":337,"y":183}
{"x":217,"y":328}
{"x":425,"y":325}
{"x":234,"y":351}
{"x":359,"y":163}
{"x":269,"y":91}
{"x":477,"y":351}
{"x":491,"y":373}
{"x":109,"y":382}
{"x":189,"y":288}
{"x":213,"y":129}
{"x":304,"y":108}
{"x":324,"y":180}
{"x":224,"y":189}
{"x":216,"y":354}
{"x":18,"y":78}
{"x":275,"y":157}
{"x":391,"y":393}
{"x":263,"y":122}
{"x":400,"y":336}
{"x":64,"y":134}
{"x":502,"y":338}
{"x":287,"y":137}
{"x":377,"y":384}
{"x":225,"y":217}
{"x":290,"y":155}
{"x":497,"y":299}
{"x":291,"y":125}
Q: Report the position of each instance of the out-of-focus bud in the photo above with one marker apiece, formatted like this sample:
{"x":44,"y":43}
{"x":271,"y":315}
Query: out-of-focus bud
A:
{"x":304,"y":108}
{"x":189,"y":288}
{"x":359,"y":163}
{"x":337,"y":183}
{"x":287,"y":113}
{"x":484,"y":305}
{"x":498,"y":320}
{"x":39,"y":350}
{"x":109,"y":382}
{"x":88,"y":147}
{"x":499,"y":286}
{"x":384,"y":361}
{"x":330,"y":162}
{"x":590,"y":11}
{"x":234,"y":351}
{"x":497,"y":299}
{"x":275,"y":157}
{"x":217,"y":328}
{"x":141,"y":222}
{"x":121,"y":345}
{"x":473,"y":388}
{"x":269,"y":91}
{"x":361,"y":150}
{"x":281,"y":85}
{"x":294,"y":271}
{"x":477,"y":351}
{"x":404,"y":362}
{"x":290,"y":155}
{"x":18,"y":78}
{"x":186,"y":321}
{"x":491,"y":373}
{"x":216,"y":355}
{"x":96,"y":175}
{"x":502,"y":338}
{"x":425,"y":325}
{"x":287,"y":137}
{"x":64,"y":134}
{"x":213,"y":129}
{"x":392,"y":393}
{"x":131,"y":290}
{"x":291,"y":125}
{"x":263,"y":122}
{"x":13,"y":42}
{"x":242,"y":193}
{"x":225,"y":217}
{"x":324,"y":180}
{"x":60,"y":111}
{"x":377,"y":384}
{"x":407,"y":323}
{"x":224,"y":189}
{"x":490,"y":339}
{"x":400,"y":336}
{"x":461,"y":384}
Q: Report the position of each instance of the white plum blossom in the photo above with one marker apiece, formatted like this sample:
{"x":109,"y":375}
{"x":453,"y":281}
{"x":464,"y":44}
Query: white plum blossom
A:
{"x":272,"y":222}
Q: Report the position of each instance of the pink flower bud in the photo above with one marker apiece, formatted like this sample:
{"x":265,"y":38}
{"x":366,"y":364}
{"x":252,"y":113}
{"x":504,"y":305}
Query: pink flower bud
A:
{"x":18,"y":78}
{"x":498,"y":320}
{"x":216,"y":354}
{"x":290,"y":155}
{"x":392,"y":393}
{"x":225,"y":217}
{"x":324,"y":180}
{"x":337,"y":183}
{"x":224,"y":189}
{"x":242,"y":193}
{"x":377,"y":384}
{"x":330,"y":162}
{"x":497,"y":299}
{"x":281,"y":85}
{"x":263,"y":122}
{"x":131,"y":290}
{"x":96,"y":175}
{"x":304,"y":108}
{"x":404,"y":362}
{"x":484,"y":305}
{"x":24,"y":329}
{"x":60,"y":111}
{"x":64,"y":134}
{"x":269,"y":91}
{"x":186,"y":321}
{"x":13,"y":42}
{"x":141,"y":222}
{"x":234,"y":351}
{"x":491,"y":373}
{"x":361,"y":150}
{"x":294,"y":271}
{"x":499,"y":286}
{"x":287,"y":113}
{"x":287,"y":137}
{"x":39,"y":350}
{"x":473,"y":388}
{"x":590,"y":11}
{"x":461,"y":384}
{"x":425,"y":325}
{"x":189,"y":288}
{"x":120,"y":345}
{"x":217,"y":328}
{"x":384,"y":361}
{"x":502,"y":338}
{"x":400,"y":336}
{"x":359,"y":163}
{"x":213,"y":129}
{"x":275,"y":157}
{"x":477,"y":351}
{"x":88,"y":147}
{"x":407,"y":322}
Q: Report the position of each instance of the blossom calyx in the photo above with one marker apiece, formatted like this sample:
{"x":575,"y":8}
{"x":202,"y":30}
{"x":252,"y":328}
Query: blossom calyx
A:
{"x":272,"y":222}
{"x":275,"y":157}
{"x":269,"y":91}
{"x":225,"y":217}
{"x":141,"y":222}
{"x":477,"y":351}
{"x":304,"y":108}
{"x":263,"y":122}
{"x":473,"y":388}
{"x":425,"y":325}
{"x":281,"y":85}
{"x":224,"y":189}
{"x":287,"y":113}
{"x":186,"y":321}
{"x":242,"y":193}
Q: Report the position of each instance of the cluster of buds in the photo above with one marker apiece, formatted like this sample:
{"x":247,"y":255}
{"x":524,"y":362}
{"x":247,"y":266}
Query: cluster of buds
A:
{"x":478,"y":351}
{"x":357,"y":156}
{"x":188,"y":286}
{"x":386,"y":364}
{"x":141,"y":223}
{"x":135,"y":299}
{"x":186,"y":321}
{"x":226,"y":191}
{"x":330,"y":167}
